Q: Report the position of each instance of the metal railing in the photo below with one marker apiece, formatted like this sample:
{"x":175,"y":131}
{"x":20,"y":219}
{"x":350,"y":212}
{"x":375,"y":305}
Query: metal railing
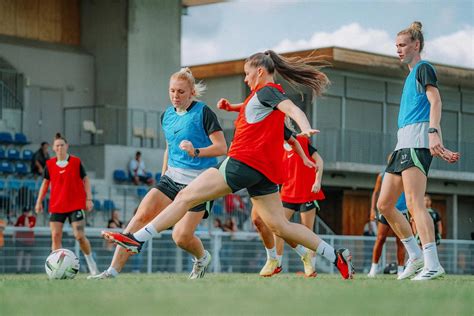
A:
{"x":237,"y":252}
{"x":120,"y":125}
{"x":372,"y":148}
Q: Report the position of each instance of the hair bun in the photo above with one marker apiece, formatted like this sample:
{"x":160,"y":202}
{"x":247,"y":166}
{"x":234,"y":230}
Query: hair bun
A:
{"x":58,"y":135}
{"x":416,"y":26}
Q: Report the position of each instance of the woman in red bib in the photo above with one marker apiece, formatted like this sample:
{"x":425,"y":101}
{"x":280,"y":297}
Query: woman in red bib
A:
{"x":70,"y":195}
{"x":254,"y":160}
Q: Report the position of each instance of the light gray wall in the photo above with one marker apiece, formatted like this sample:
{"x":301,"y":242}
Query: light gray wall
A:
{"x":104,"y":34}
{"x":154,"y":43}
{"x":231,"y":88}
{"x":50,"y":66}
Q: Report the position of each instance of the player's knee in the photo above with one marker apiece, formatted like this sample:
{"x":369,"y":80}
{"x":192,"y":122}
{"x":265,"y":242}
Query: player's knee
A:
{"x":259,"y":224}
{"x":185,"y":197}
{"x":80,"y":237}
{"x":278,"y":228}
{"x":181,"y":239}
{"x":56,"y":236}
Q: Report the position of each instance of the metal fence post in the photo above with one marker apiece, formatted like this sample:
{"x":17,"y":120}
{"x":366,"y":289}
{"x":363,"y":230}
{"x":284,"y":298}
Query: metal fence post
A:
{"x":149,"y":259}
{"x":216,"y":247}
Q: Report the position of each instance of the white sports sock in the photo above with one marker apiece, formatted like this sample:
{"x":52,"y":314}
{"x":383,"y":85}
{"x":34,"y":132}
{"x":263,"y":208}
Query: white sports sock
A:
{"x":146,"y":233}
{"x":280,"y":259}
{"x":412,"y":248}
{"x":325,"y":250}
{"x":374,"y":268}
{"x":400,"y":269}
{"x":271,"y":253}
{"x":301,"y":250}
{"x":91,"y":263}
{"x":112,"y":271}
{"x":430,"y":254}
{"x":203,"y":257}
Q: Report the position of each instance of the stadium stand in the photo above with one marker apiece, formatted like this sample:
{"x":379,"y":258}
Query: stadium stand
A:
{"x":6,"y":138}
{"x":20,"y":139}
{"x":13,"y":154}
{"x":27,"y":154}
{"x":120,"y":176}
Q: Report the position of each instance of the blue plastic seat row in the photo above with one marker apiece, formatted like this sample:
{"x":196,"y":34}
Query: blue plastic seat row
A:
{"x":17,"y":139}
{"x":14,"y":154}
{"x":122,"y":176}
{"x":19,"y":168}
{"x":108,"y":205}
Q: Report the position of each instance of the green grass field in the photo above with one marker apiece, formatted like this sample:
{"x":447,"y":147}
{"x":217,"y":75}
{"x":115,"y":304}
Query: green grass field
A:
{"x":234,"y":294}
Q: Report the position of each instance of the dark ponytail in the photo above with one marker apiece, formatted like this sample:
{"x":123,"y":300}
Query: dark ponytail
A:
{"x":295,"y":70}
{"x":59,"y":136}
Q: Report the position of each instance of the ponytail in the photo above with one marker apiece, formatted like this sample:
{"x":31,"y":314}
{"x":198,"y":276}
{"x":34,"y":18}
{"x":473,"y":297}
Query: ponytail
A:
{"x":414,"y":31}
{"x":187,"y":75}
{"x":295,"y":70}
{"x":59,"y":136}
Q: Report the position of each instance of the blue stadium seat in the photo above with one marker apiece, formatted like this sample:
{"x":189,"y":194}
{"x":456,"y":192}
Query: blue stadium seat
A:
{"x":2,"y":153}
{"x":6,"y":167}
{"x":109,"y":205}
{"x":158,"y":177}
{"x":27,"y":154}
{"x":14,"y":184}
{"x":97,"y":205}
{"x":6,"y":138}
{"x":21,"y":169}
{"x":20,"y":139}
{"x":120,"y":175}
{"x":149,"y":175}
{"x":2,"y":185}
{"x":142,"y":191}
{"x":13,"y":154}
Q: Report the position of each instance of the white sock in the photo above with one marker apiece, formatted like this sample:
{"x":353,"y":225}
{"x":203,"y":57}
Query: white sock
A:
{"x":300,"y":250}
{"x":203,"y":257}
{"x":430,"y":254}
{"x":271,"y":253}
{"x":412,"y":248}
{"x":112,"y":271}
{"x":146,"y":233}
{"x":280,"y":259}
{"x":91,"y":263}
{"x":400,"y":269}
{"x":313,"y":260}
{"x":374,"y":268}
{"x":325,"y":250}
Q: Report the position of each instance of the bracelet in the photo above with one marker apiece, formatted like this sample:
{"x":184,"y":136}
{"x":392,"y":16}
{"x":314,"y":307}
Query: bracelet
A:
{"x":88,"y":199}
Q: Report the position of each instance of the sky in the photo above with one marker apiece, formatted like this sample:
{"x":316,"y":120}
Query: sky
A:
{"x":236,"y":29}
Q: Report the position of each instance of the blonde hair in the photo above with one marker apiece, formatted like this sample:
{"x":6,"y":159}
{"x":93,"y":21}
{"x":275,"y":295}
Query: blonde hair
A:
{"x":186,"y":74}
{"x":414,"y":30}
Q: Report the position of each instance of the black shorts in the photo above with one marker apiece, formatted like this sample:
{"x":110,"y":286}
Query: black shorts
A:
{"x":171,"y":189}
{"x":302,"y":207}
{"x":240,"y":176}
{"x":383,"y":220}
{"x":74,"y":216}
{"x":405,"y":158}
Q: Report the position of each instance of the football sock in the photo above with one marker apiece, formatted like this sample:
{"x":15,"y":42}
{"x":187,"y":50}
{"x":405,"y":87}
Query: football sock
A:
{"x":412,"y":248}
{"x":146,"y":233}
{"x":374,"y":268}
{"x":112,"y":271}
{"x":301,"y":250}
{"x":271,"y":253}
{"x":430,"y":254}
{"x":400,"y":269}
{"x":325,"y":250}
{"x":280,"y":259}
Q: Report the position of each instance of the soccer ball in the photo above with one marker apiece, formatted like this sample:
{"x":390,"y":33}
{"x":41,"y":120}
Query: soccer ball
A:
{"x":61,"y":264}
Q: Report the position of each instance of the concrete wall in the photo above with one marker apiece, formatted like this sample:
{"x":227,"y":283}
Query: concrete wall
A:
{"x":104,"y":34}
{"x":101,"y":161}
{"x":154,"y":43}
{"x":53,"y":66}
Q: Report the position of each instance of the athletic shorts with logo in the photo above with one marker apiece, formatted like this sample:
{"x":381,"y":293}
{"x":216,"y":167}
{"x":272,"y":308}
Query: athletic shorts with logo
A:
{"x":302,"y":207}
{"x":171,"y":189}
{"x":405,"y":158}
{"x":240,"y":176}
{"x":383,"y":220}
{"x":74,"y":216}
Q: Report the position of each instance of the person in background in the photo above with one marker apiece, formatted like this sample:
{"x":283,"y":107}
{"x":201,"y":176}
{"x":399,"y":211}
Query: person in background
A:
{"x":70,"y":195}
{"x":25,"y":240}
{"x":438,"y":225}
{"x":38,"y":162}
{"x":138,"y":172}
{"x":114,"y":221}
